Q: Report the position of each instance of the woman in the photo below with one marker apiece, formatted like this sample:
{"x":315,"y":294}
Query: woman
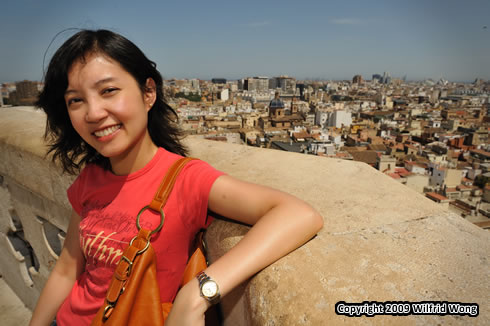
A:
{"x":106,"y":113}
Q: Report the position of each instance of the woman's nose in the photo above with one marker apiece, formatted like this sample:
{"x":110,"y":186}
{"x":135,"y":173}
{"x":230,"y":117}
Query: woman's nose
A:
{"x":96,"y":111}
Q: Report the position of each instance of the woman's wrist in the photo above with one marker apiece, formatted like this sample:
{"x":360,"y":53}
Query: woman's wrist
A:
{"x":193,"y":296}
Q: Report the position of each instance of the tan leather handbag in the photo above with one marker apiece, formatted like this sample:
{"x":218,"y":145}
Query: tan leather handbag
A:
{"x":133,"y":297}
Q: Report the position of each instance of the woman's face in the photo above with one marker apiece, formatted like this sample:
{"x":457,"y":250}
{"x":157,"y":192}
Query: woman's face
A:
{"x":107,"y":107}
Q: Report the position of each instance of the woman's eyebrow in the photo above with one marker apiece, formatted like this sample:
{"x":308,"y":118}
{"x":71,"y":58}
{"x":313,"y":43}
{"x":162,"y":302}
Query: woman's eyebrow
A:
{"x":68,"y":91}
{"x":104,"y":80}
{"x":97,"y":84}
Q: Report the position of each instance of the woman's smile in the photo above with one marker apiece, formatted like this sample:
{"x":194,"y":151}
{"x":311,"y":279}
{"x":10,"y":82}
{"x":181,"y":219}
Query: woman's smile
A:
{"x":108,"y":131}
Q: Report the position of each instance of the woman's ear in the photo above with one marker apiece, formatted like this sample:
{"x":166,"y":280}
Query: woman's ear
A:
{"x":150,"y":94}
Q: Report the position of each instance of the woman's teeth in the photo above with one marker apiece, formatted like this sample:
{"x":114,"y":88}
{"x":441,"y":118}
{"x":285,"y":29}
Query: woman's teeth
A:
{"x":107,"y":131}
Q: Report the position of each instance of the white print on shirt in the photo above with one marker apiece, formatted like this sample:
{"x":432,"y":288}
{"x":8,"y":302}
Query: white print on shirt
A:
{"x":88,"y":243}
{"x":105,"y":232}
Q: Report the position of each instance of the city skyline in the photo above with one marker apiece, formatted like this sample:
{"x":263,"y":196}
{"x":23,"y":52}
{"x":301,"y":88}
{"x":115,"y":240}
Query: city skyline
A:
{"x":305,"y":40}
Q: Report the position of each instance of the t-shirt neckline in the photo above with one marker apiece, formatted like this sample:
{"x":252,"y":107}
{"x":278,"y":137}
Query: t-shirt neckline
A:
{"x":140,"y":172}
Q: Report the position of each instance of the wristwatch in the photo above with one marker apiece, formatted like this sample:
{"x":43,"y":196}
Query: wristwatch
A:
{"x":208,"y":287}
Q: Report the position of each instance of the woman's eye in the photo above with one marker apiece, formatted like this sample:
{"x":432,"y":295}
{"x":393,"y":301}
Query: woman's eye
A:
{"x":73,"y":101}
{"x":109,"y":90}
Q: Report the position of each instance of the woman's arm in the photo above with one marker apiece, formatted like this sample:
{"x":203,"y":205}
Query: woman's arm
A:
{"x":281,"y":223}
{"x":69,"y":266}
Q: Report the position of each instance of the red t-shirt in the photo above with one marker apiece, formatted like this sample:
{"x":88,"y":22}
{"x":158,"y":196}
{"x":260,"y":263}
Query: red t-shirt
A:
{"x":108,"y":205}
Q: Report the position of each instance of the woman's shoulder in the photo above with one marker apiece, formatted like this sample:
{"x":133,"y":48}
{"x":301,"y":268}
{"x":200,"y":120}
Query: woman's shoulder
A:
{"x":193,"y":172}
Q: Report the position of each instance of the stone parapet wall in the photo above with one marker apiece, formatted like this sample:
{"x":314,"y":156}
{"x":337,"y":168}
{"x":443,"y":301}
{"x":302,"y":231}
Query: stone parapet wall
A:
{"x":381,"y":241}
{"x":33,"y":204}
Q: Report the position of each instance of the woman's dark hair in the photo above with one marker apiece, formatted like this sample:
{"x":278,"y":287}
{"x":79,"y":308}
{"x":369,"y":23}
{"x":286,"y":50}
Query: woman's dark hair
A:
{"x":64,"y":142}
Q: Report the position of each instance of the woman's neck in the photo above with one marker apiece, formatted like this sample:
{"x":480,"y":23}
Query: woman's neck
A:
{"x":135,"y":159}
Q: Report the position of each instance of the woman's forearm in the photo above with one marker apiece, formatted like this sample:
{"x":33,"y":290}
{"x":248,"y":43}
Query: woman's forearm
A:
{"x":52,"y":296}
{"x":68,"y":268}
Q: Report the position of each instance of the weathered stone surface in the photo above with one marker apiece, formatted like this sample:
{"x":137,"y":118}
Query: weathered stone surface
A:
{"x":351,"y":195}
{"x":32,"y":187}
{"x":381,"y":240}
{"x":11,"y":309}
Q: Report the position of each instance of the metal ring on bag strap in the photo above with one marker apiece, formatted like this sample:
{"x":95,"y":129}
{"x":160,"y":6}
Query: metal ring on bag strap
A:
{"x":130,"y":263}
{"x":162,"y":219}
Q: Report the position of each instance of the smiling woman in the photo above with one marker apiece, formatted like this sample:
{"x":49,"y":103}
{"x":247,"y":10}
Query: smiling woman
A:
{"x":111,"y":113}
{"x":106,"y":116}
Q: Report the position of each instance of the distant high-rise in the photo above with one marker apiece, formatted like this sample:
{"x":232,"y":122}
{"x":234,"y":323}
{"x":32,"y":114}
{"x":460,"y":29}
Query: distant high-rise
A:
{"x":377,"y":77}
{"x":218,"y":81}
{"x":386,"y":78}
{"x":259,"y":84}
{"x":357,"y":79}
{"x":273,"y":83}
{"x":301,"y":88}
{"x":286,"y":84}
{"x":194,"y":83}
{"x":26,"y":89}
{"x":25,"y":94}
{"x":338,"y":119}
{"x":224,"y":94}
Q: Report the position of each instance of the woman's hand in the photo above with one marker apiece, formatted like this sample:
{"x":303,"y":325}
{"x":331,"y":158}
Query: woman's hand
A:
{"x":188,"y":307}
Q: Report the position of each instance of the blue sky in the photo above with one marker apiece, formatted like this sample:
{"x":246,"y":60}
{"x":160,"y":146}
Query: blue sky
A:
{"x":235,"y":39}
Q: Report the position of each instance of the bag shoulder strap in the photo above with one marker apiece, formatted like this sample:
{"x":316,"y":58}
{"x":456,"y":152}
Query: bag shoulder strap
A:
{"x":167,"y":183}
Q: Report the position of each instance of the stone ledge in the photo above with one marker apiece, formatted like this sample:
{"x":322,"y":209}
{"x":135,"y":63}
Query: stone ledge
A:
{"x":342,"y":190}
{"x":381,"y":241}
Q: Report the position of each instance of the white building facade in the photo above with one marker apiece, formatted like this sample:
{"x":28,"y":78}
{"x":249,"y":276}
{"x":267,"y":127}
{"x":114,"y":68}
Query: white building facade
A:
{"x":338,"y":119}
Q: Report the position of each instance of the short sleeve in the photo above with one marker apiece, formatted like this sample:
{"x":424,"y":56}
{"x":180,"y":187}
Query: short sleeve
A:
{"x":197,"y":179}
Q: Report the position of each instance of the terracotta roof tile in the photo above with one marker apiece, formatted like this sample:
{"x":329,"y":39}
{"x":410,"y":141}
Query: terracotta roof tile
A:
{"x":434,"y":195}
{"x":369,"y":157}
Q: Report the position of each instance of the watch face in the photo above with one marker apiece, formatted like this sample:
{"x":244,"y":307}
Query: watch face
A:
{"x":209,"y":289}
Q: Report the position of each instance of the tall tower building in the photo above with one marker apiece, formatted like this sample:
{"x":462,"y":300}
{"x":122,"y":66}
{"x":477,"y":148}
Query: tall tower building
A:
{"x":386,"y":78}
{"x":218,"y":80}
{"x":376,"y":78}
{"x":338,"y":119}
{"x":26,"y":89}
{"x":195,"y":84}
{"x":26,"y":92}
{"x":262,"y":83}
{"x":285,"y":83}
{"x":357,"y":79}
{"x":301,"y":88}
{"x":259,"y":84}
